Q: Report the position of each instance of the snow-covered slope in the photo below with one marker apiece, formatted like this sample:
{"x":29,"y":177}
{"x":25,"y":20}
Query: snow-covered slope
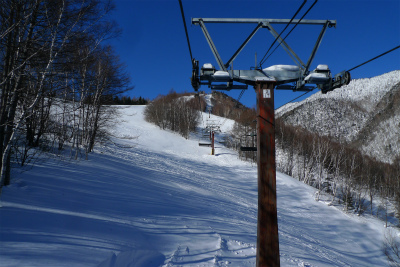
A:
{"x":365,"y":92}
{"x":366,"y":113}
{"x":156,"y":199}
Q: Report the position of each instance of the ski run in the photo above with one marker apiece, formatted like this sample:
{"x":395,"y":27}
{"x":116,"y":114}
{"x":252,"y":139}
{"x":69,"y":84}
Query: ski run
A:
{"x":153,"y":198}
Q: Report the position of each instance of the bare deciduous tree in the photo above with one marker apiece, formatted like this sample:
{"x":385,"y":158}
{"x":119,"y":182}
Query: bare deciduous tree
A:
{"x":174,"y":112}
{"x":391,"y":248}
{"x":54,"y":75}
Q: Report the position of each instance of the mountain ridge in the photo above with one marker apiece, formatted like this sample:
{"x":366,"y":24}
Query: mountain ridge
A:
{"x":365,"y":114}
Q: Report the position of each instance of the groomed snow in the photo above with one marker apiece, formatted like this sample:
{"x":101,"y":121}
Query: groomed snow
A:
{"x":156,"y":199}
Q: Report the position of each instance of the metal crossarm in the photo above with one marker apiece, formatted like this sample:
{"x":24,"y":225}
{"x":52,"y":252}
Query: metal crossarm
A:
{"x":264,"y":23}
{"x":332,"y":23}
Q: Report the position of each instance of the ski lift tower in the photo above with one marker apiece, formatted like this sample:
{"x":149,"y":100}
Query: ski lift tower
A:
{"x":287,"y":77}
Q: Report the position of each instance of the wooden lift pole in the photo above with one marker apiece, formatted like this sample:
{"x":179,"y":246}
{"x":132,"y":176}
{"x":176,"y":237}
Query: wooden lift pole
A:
{"x":267,"y":223}
{"x":264,"y":82}
{"x":212,"y":144}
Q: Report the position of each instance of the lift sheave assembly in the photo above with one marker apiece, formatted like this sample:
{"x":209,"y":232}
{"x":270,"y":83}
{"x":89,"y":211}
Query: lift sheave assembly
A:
{"x":287,"y":77}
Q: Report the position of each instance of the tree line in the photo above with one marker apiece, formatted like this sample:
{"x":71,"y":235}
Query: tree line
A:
{"x":338,"y":168}
{"x":175,"y":112}
{"x":127,"y":100}
{"x":226,"y":106}
{"x":352,"y":179}
{"x":56,"y":74}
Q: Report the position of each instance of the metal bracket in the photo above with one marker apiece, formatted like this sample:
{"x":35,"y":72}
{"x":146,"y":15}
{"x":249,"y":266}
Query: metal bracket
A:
{"x":316,"y":46}
{"x":257,"y":21}
{"x":212,"y":46}
{"x":249,"y":77}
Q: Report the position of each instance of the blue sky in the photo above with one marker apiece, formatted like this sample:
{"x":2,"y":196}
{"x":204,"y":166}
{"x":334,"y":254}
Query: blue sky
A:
{"x":154,"y":48}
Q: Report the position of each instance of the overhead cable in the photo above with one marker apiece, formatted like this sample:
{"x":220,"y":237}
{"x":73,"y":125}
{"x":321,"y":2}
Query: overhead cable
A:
{"x":186,"y":31}
{"x":236,"y":106}
{"x":391,"y":50}
{"x":295,"y":98}
{"x":290,"y":31}
{"x":298,"y":10}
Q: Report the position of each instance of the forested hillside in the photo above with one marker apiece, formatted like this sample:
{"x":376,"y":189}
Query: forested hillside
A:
{"x":56,"y":74}
{"x":364,"y":114}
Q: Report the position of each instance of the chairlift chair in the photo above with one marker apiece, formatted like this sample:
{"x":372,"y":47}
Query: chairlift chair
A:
{"x":247,"y":148}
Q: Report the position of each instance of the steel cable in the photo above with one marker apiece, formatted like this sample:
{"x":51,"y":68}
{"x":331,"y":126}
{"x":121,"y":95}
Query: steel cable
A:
{"x":295,"y":99}
{"x":289,"y":32}
{"x":298,"y":10}
{"x":236,"y":106}
{"x":391,"y":50}
{"x":186,"y":31}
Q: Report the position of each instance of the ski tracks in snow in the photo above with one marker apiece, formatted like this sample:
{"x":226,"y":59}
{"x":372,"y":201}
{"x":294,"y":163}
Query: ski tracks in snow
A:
{"x":165,"y":197}
{"x":214,"y":250}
